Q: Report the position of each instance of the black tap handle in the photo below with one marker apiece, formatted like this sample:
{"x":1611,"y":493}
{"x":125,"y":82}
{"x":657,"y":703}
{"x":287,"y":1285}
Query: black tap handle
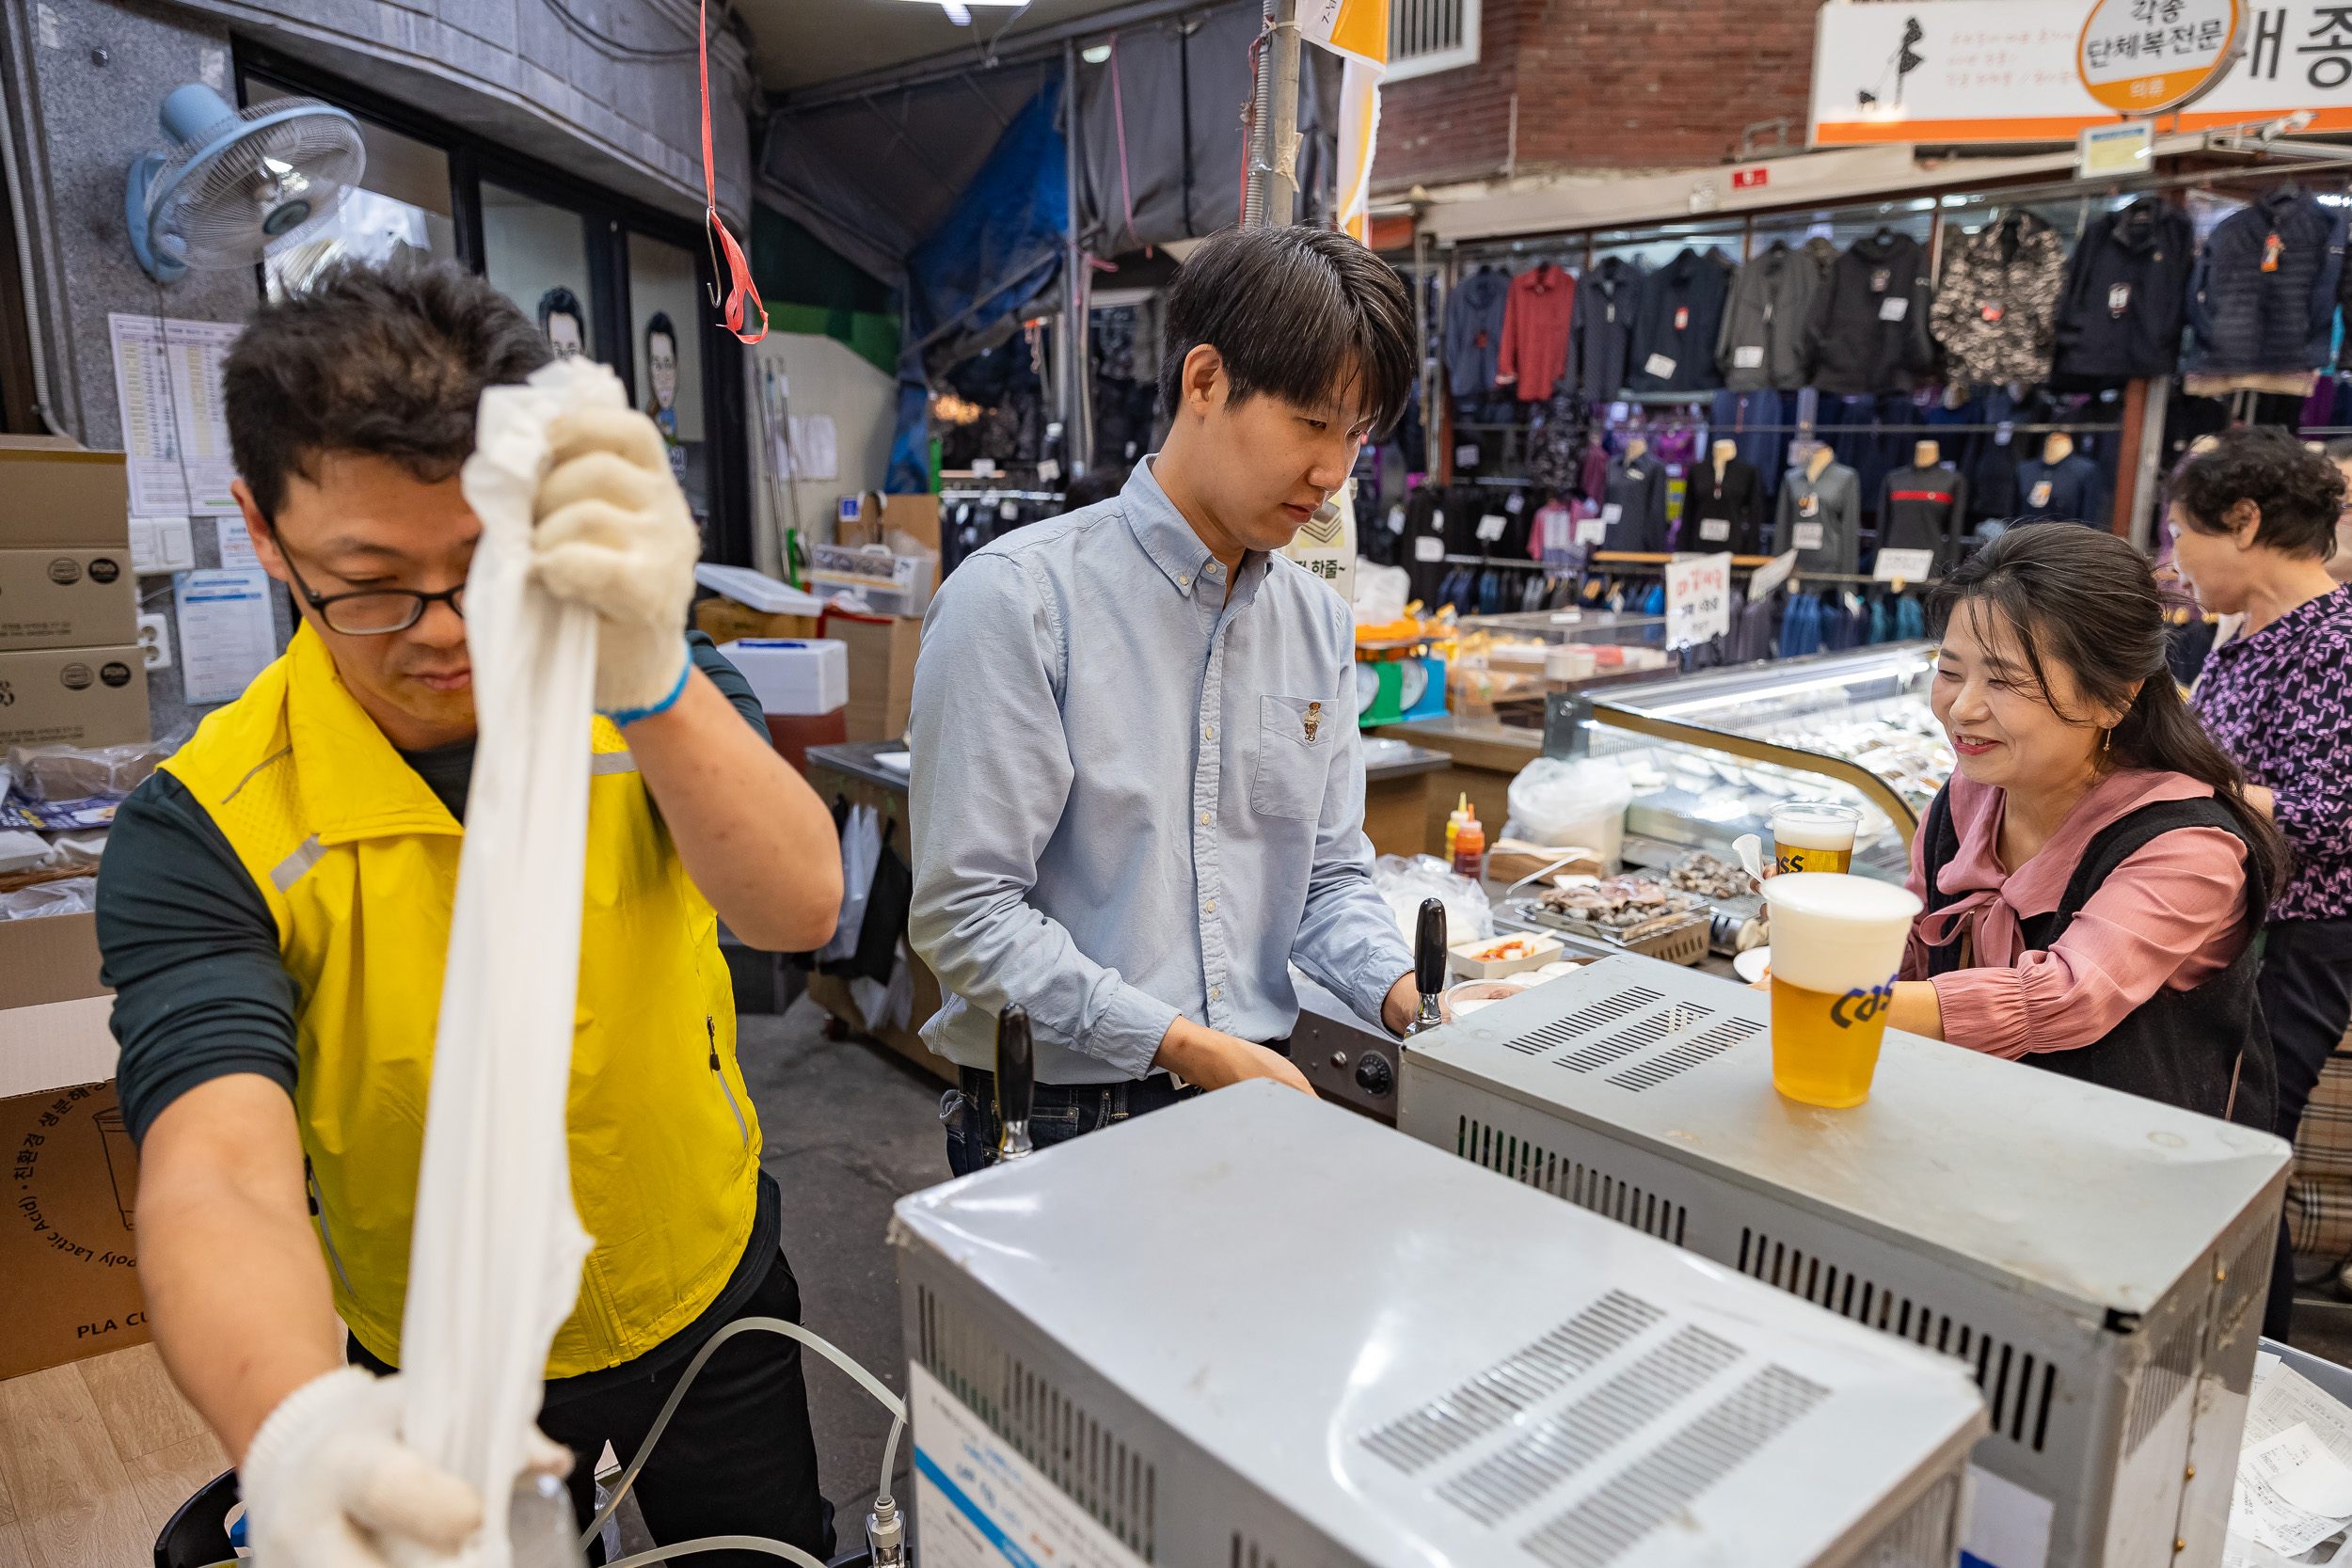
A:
{"x":1429,"y":949}
{"x":1016,"y":1082}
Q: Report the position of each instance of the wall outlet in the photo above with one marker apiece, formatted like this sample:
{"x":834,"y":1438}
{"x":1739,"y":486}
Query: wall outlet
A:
{"x":155,"y":637}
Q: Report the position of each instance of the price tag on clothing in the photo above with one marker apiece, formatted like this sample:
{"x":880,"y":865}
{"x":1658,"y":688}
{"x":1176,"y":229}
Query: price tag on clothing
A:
{"x":1714,"y":531}
{"x":1894,"y":308}
{"x":1698,"y":599}
{"x":1008,"y":511}
{"x":1048,"y":470}
{"x":1465,"y":455}
{"x":984,"y":467}
{"x":1611,"y":512}
{"x":1808,"y":536}
{"x":1904,"y":565}
{"x":1396,"y":519}
{"x":1658,"y":364}
{"x":1428,"y":548}
{"x":2001,"y":433}
{"x":1747,"y":356}
{"x":1592,"y":530}
{"x":1514,"y":503}
{"x":1490,"y":526}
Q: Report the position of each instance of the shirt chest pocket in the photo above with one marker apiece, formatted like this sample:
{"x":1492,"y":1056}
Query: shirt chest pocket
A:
{"x":1295,"y":740}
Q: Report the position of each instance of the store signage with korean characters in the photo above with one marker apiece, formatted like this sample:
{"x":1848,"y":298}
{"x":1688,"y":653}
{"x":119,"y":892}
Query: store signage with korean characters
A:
{"x":2045,"y":71}
{"x":1698,"y":598}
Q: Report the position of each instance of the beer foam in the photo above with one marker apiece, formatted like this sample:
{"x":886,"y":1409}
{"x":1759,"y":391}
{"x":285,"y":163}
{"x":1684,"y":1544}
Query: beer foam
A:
{"x":1813,"y":833}
{"x":1834,"y":932}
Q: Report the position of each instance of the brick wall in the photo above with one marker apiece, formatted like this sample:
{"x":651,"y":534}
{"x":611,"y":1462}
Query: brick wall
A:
{"x":1601,"y":84}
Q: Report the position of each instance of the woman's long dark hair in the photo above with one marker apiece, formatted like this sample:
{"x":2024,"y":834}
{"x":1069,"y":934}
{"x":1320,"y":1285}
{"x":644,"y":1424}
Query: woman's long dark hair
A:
{"x":2087,"y":600}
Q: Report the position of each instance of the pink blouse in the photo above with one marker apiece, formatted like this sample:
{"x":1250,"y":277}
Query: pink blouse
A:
{"x":2172,"y":914}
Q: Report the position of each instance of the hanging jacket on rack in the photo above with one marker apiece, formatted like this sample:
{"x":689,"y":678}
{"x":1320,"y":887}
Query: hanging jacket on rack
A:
{"x":1924,"y":509}
{"x":2072,"y":489}
{"x":2264,"y":298}
{"x":2126,"y":294}
{"x":1723,"y":513}
{"x":1600,"y":328}
{"x":1473,"y":332}
{"x":1873,"y":322}
{"x":1674,"y":332}
{"x":1634,"y":506}
{"x":1821,"y":520}
{"x":1421,"y":548}
{"x":1765,"y":339}
{"x":1535,"y":331}
{"x":1995,"y":312}
{"x":1910,"y":620}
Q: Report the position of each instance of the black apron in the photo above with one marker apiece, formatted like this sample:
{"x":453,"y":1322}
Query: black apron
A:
{"x":2205,"y":1050}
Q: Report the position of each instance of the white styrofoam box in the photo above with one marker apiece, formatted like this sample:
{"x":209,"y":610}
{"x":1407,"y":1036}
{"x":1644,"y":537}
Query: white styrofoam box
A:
{"x":794,"y":675}
{"x":760,"y":591}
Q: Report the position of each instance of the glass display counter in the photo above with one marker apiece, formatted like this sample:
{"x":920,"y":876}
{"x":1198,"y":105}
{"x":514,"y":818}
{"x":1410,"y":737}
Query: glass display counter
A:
{"x":1709,"y":753}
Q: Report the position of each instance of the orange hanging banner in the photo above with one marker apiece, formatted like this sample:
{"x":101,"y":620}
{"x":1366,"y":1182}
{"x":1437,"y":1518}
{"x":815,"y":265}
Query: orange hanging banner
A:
{"x":739,"y":287}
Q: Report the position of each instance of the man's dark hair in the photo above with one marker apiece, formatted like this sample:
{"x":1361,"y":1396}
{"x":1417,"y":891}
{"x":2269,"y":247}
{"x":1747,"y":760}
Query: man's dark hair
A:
{"x":658,"y":324}
{"x":2299,"y":491}
{"x":387,"y":361}
{"x":561,"y":301}
{"x":1295,"y":312}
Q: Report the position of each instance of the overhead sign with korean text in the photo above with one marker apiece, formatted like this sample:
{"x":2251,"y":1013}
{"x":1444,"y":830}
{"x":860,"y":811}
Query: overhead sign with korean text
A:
{"x":2041,"y":71}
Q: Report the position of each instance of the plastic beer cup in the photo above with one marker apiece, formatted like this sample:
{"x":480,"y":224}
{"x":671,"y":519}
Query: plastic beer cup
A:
{"x":1812,"y":835}
{"x":1836,"y":944}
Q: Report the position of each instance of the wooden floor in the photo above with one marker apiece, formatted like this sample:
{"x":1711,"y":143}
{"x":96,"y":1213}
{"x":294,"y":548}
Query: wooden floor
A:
{"x":94,"y":1456}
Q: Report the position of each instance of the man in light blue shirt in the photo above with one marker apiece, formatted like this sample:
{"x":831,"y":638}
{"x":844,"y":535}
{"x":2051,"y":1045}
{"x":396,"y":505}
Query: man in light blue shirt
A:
{"x":1137,"y":792}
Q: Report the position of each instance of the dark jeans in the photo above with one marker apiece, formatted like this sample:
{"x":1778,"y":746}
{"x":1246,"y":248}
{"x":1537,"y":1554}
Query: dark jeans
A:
{"x":736,"y":1459}
{"x":2306,"y":989}
{"x":1061,"y":1111}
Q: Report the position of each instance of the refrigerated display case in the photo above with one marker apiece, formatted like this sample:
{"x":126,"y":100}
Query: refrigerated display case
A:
{"x":1709,"y":753}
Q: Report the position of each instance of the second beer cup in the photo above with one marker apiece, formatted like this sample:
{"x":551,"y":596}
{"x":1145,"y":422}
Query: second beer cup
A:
{"x":1812,"y":835}
{"x":1836,"y":944}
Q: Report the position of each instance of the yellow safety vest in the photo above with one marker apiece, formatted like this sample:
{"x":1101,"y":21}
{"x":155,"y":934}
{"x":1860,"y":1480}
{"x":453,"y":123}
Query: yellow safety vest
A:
{"x":357,"y":861}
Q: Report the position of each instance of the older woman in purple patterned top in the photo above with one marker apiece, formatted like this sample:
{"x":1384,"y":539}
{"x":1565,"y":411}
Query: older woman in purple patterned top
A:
{"x":2253,"y":526}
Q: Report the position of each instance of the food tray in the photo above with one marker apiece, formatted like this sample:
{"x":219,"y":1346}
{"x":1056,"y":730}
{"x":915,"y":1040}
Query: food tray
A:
{"x":1683,"y":942}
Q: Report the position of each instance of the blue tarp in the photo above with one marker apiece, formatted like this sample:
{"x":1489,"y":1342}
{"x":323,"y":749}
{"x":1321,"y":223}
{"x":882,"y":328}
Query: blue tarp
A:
{"x":998,"y":249}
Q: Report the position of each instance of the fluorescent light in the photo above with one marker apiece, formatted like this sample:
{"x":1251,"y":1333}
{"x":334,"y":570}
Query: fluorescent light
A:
{"x":1097,"y":55}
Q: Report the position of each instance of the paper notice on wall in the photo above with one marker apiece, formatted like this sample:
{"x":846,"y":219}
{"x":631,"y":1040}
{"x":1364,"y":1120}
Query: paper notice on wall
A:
{"x":167,"y":391}
{"x":812,"y":449}
{"x":226,"y":635}
{"x":984,"y":1506}
{"x":237,"y":544}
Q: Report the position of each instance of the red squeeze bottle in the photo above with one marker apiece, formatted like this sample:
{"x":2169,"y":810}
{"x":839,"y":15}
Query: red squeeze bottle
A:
{"x":1470,"y":848}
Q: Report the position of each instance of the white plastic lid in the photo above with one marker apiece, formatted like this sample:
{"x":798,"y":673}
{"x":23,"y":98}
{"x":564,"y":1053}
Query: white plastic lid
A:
{"x":1833,"y":932}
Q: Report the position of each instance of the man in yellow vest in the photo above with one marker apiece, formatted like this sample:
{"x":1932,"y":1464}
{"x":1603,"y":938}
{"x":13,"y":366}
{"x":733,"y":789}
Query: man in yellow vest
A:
{"x":275,"y":911}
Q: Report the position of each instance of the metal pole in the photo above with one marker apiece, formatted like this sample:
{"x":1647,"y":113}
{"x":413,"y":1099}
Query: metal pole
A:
{"x":1273,"y":123}
{"x":1073,"y":318}
{"x":2143,"y":521}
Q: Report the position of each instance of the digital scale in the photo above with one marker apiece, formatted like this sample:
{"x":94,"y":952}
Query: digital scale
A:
{"x":1396,"y":682}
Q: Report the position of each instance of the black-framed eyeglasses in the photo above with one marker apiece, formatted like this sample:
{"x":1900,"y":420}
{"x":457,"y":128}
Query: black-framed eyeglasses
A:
{"x":373,"y":611}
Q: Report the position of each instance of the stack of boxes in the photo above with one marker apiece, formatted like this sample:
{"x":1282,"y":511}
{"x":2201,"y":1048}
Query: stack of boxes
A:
{"x":72,"y":672}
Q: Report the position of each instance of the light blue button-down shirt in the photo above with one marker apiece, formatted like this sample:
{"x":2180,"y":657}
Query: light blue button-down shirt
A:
{"x":1134,"y":797}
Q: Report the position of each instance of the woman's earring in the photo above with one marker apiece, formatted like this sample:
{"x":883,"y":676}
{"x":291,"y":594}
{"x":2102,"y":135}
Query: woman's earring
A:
{"x":2106,"y":740}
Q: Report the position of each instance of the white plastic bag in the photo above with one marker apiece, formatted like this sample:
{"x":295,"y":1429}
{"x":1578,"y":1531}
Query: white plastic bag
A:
{"x":861,"y":852}
{"x":495,"y":1256}
{"x":1405,"y":883}
{"x":1380,"y":594}
{"x":65,"y":896}
{"x":1557,"y":803}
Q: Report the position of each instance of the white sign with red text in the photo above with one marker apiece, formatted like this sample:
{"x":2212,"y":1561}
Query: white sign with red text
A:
{"x":1698,"y":598}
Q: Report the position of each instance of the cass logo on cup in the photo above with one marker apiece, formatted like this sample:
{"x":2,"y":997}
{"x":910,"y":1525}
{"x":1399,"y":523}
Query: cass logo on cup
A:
{"x":104,"y":570}
{"x":65,"y":569}
{"x":114,"y":673}
{"x":1861,"y":1006}
{"x":75,"y":676}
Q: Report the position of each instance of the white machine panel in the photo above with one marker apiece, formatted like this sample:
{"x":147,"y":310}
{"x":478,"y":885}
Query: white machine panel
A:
{"x":1258,"y":1330}
{"x":2094,"y":1259}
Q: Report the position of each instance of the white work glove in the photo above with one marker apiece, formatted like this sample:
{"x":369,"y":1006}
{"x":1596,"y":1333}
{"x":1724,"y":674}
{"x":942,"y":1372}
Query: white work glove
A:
{"x":615,"y":534}
{"x":329,"y":1483}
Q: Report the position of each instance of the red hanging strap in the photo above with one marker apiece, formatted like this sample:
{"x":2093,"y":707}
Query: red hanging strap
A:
{"x":740,"y":286}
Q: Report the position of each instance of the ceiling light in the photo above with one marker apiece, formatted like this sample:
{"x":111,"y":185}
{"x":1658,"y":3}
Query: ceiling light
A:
{"x":1097,"y":55}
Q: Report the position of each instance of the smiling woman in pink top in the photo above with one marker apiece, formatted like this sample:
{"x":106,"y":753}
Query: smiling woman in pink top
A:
{"x":2092,"y":873}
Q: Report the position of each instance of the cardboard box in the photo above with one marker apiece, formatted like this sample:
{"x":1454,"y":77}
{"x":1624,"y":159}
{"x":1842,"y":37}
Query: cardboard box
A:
{"x":66,"y":597}
{"x":61,"y":496}
{"x":68,"y":1257}
{"x":917,"y":516}
{"x":49,"y":957}
{"x":882,"y":651}
{"x":726,"y":621}
{"x":76,"y":696}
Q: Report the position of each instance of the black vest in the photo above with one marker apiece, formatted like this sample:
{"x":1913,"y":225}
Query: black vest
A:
{"x":2205,"y":1050}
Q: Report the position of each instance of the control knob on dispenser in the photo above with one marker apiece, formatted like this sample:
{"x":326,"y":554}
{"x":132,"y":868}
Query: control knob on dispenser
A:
{"x":1374,"y":1075}
{"x":1016,"y":1083}
{"x":1429,"y":957}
